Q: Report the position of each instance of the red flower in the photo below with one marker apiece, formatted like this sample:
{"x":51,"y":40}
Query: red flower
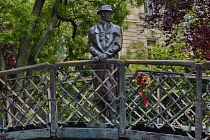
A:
{"x":143,"y":81}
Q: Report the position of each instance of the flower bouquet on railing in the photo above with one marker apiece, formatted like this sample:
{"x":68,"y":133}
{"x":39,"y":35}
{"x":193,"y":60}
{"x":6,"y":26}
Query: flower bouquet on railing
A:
{"x":143,"y":81}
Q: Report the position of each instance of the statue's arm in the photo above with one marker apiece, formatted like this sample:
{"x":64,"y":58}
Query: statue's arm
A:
{"x":93,"y":48}
{"x":117,"y":44}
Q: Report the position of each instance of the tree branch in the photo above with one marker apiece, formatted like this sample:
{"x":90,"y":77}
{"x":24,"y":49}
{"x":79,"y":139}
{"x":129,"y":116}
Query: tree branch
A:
{"x":73,"y":24}
{"x":45,"y":36}
{"x":73,"y":34}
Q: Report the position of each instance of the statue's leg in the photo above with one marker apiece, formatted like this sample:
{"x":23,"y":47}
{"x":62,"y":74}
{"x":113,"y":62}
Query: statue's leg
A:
{"x":99,"y":93}
{"x":112,"y":114}
{"x":101,"y":108}
{"x":111,"y":94}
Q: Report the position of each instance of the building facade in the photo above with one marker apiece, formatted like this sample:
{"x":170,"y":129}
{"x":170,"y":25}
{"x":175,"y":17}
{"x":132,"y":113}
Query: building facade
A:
{"x":136,"y":31}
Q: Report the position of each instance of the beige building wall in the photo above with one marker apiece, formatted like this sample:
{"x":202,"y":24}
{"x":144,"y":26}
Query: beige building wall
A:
{"x":134,"y":33}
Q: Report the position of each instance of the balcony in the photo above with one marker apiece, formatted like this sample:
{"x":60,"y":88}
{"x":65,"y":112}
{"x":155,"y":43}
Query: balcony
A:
{"x":57,"y":101}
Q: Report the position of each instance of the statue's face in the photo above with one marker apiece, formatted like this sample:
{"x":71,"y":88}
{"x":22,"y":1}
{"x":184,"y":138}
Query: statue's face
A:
{"x":106,"y":16}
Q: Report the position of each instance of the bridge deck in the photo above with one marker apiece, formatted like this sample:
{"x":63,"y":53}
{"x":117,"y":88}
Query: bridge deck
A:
{"x":88,"y":134}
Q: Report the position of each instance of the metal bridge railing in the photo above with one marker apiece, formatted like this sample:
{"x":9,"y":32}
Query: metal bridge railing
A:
{"x":64,"y":94}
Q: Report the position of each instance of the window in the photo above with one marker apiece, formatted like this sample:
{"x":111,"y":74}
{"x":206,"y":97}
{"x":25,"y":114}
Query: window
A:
{"x":149,"y":7}
{"x":151,"y":43}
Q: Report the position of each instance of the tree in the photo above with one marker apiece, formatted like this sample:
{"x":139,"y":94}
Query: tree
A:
{"x":38,"y":29}
{"x":170,"y":14}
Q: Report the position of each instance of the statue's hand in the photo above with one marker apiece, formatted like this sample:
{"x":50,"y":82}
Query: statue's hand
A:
{"x":103,"y":57}
{"x":96,"y":58}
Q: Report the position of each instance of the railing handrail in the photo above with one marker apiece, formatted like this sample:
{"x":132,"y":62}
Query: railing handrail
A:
{"x":162,"y":62}
{"x":25,"y":68}
{"x":113,"y":61}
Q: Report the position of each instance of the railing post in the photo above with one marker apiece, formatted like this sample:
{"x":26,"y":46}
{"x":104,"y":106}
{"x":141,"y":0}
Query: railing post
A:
{"x":53,"y":109}
{"x":122,"y":124}
{"x":198,"y":116}
{"x":159,"y":96}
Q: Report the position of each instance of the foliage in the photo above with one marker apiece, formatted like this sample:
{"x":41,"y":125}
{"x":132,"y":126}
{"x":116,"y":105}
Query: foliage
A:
{"x":158,"y":52}
{"x":8,"y":52}
{"x":136,"y":50}
{"x":40,"y":30}
{"x":15,"y":17}
{"x":200,"y":34}
{"x":15,"y":21}
{"x":169,"y":14}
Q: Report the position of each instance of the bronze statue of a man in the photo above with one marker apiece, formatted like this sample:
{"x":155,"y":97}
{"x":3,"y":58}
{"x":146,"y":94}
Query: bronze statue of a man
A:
{"x":105,"y":41}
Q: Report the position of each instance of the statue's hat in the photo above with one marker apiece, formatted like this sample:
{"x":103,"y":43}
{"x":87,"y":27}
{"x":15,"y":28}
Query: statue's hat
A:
{"x":105,"y":8}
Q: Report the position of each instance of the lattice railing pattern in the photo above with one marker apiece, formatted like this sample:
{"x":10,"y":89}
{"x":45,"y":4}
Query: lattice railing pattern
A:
{"x":25,"y":101}
{"x":171,"y":98}
{"x":75,"y":95}
{"x":67,"y":93}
